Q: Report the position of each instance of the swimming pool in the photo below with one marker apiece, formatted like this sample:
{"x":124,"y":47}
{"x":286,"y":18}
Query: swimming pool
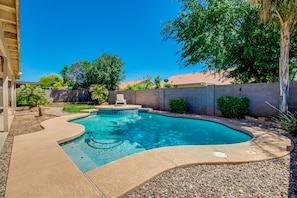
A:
{"x":110,"y":136}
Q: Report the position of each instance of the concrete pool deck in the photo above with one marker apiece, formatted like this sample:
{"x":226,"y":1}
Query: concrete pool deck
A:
{"x":40,"y":168}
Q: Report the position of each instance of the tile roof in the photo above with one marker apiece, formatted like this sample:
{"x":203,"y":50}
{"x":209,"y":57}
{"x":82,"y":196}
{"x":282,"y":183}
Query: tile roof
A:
{"x":209,"y":77}
{"x":191,"y":79}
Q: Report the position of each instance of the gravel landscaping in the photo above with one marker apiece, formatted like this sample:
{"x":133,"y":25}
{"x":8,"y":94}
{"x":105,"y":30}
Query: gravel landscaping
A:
{"x":272,"y":178}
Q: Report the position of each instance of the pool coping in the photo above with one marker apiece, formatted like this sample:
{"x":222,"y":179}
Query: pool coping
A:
{"x":40,"y":168}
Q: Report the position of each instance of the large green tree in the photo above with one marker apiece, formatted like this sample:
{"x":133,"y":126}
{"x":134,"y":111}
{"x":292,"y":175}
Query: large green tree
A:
{"x":76,"y":74}
{"x":284,"y":14}
{"x":205,"y":28}
{"x":63,"y":73}
{"x":226,"y":34}
{"x":51,"y":81}
{"x":106,"y":70}
{"x":254,"y":52}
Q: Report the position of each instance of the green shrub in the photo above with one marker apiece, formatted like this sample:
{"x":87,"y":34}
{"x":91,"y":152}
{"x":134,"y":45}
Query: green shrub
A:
{"x":99,"y":93}
{"x":287,"y":121}
{"x":232,"y":106}
{"x":178,"y":105}
{"x":22,"y":99}
{"x":31,"y":95}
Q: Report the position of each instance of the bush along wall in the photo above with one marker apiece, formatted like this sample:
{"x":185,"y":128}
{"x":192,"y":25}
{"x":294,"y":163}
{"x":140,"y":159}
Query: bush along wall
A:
{"x":178,"y":105}
{"x":232,"y":106}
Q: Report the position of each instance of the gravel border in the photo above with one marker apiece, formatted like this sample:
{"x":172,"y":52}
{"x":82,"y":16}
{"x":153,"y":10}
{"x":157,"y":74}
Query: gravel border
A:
{"x":271,"y":178}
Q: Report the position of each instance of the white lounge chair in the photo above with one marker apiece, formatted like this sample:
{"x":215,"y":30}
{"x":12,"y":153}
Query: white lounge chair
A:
{"x":120,"y":99}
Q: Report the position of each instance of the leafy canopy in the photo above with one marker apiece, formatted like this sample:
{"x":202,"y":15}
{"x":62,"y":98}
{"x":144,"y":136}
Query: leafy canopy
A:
{"x":31,"y":95}
{"x":75,"y":75}
{"x":227,"y":34}
{"x":284,"y":14}
{"x":106,"y":70}
{"x":51,"y":80}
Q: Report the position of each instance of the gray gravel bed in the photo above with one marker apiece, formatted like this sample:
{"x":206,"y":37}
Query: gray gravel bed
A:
{"x":271,"y":178}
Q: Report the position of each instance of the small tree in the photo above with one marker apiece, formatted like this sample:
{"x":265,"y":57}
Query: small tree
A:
{"x":284,"y":14}
{"x":157,"y":81}
{"x":32,"y":95}
{"x":99,"y":93}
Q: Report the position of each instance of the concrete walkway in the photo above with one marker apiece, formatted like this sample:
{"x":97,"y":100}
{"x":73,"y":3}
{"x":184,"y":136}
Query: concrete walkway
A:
{"x":40,"y":168}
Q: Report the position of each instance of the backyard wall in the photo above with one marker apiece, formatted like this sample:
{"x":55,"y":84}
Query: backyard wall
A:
{"x":202,"y":100}
{"x":55,"y":96}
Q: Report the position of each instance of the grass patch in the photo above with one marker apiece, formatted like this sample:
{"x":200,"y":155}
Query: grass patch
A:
{"x":55,"y":105}
{"x":75,"y":108}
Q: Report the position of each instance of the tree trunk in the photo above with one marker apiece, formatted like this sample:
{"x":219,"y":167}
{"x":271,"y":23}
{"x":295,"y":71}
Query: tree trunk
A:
{"x":40,"y":111}
{"x":284,"y":67}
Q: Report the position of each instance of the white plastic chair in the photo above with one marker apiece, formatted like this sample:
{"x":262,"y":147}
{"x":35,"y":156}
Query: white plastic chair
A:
{"x":120,"y":99}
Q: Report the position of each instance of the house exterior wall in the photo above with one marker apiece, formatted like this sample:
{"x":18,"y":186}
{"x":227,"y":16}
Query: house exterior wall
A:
{"x":1,"y":93}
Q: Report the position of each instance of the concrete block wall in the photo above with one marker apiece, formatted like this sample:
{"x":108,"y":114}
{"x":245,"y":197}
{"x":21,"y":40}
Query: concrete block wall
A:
{"x":129,"y":96}
{"x":258,"y":94}
{"x":202,"y":100}
{"x":148,"y":98}
{"x":195,"y":96}
{"x":67,"y":95}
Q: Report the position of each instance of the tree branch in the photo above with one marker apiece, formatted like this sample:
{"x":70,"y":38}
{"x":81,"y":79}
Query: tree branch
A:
{"x":279,"y":17}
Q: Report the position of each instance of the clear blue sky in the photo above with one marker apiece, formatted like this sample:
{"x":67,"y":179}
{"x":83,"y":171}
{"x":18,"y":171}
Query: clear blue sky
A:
{"x":60,"y":32}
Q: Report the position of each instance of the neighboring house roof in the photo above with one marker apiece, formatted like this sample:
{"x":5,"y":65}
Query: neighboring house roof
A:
{"x":188,"y":80}
{"x":199,"y":78}
{"x":124,"y":85}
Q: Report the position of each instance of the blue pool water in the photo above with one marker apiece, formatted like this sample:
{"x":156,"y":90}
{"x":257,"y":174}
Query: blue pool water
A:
{"x":111,"y":137}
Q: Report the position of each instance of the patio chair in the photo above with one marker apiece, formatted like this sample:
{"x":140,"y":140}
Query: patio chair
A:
{"x":120,"y":99}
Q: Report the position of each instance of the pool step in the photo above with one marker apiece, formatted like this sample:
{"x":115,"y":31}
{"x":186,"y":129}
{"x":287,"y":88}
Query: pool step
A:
{"x":79,"y":157}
